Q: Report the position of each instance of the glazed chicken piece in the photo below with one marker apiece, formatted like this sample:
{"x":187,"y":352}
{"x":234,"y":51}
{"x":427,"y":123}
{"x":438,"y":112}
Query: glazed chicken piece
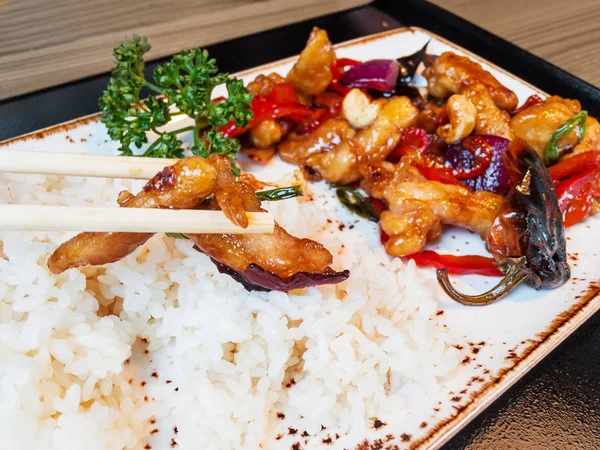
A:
{"x":279,"y":253}
{"x":537,"y":123}
{"x":451,"y":74}
{"x":263,"y":84}
{"x":419,"y":207}
{"x":591,"y":139}
{"x":181,"y":186}
{"x":374,"y":143}
{"x":186,"y":185}
{"x":462,"y":117}
{"x":490,"y":119}
{"x":312,"y":72}
{"x":269,"y":132}
{"x":432,"y":117}
{"x":296,"y":149}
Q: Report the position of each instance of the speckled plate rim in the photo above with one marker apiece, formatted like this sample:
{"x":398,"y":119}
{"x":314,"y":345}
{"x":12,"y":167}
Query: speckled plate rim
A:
{"x":561,"y":327}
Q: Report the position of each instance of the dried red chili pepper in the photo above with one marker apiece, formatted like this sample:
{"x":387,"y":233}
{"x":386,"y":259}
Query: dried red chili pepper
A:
{"x":527,"y":238}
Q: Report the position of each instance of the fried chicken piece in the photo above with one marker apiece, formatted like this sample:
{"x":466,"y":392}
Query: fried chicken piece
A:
{"x":490,"y":119}
{"x":181,"y":186}
{"x":312,"y":72}
{"x":186,"y":185}
{"x":537,"y":124}
{"x":431,"y":117}
{"x":260,"y":155}
{"x":296,"y":149}
{"x":418,"y":207}
{"x":269,"y":132}
{"x":279,"y":253}
{"x":451,"y":74}
{"x":374,"y":143}
{"x":591,"y":140}
{"x":263,"y":84}
{"x":462,"y":117}
{"x":409,"y":232}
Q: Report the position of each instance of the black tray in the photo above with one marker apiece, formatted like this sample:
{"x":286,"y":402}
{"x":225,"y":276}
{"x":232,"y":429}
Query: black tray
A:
{"x":557,"y":404}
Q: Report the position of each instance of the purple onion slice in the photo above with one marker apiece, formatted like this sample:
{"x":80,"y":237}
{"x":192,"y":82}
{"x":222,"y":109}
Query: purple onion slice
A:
{"x":258,"y":279}
{"x":495,"y":179}
{"x":377,"y":74}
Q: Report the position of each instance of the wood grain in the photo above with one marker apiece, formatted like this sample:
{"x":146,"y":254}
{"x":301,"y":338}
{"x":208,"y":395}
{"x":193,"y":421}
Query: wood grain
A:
{"x":566,"y":34}
{"x":46,"y":43}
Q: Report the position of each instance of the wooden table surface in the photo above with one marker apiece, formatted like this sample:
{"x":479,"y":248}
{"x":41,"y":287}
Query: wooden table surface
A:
{"x":566,"y":34}
{"x":46,"y":43}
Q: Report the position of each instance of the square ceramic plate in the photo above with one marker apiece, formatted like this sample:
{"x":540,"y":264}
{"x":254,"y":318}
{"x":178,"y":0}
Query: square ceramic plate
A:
{"x":498,"y":343}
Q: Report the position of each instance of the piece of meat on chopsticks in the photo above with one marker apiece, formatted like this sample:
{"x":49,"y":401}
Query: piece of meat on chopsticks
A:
{"x":279,"y":261}
{"x":270,"y":262}
{"x":181,"y":186}
{"x":419,"y":207}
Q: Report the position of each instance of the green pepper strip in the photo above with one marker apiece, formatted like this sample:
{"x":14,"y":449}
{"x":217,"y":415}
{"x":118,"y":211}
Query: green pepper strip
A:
{"x":357,"y":203}
{"x":284,"y":193}
{"x":577,"y":123}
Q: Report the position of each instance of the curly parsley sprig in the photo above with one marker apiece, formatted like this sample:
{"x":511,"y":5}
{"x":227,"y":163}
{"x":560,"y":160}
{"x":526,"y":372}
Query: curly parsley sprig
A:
{"x":187,"y":81}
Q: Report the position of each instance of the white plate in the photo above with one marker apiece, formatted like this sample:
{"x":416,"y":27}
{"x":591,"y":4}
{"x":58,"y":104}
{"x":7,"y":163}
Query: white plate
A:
{"x":501,"y":342}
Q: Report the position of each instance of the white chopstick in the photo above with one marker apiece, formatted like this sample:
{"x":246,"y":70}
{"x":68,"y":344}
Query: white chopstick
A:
{"x":134,"y":220}
{"x":74,"y":164}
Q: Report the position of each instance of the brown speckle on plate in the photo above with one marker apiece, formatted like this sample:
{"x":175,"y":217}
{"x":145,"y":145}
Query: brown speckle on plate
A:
{"x":377,"y":424}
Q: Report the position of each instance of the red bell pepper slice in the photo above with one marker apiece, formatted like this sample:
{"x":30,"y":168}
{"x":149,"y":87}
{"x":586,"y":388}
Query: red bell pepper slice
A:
{"x":458,"y":265}
{"x":311,"y":123}
{"x":329,"y":105}
{"x":330,"y":101}
{"x":283,"y":92}
{"x":338,"y":67}
{"x":482,"y":155}
{"x":575,"y":195}
{"x":263,"y":110}
{"x":438,"y":174}
{"x":412,"y":138}
{"x":378,"y":205}
{"x":532,"y":100}
{"x":574,"y":165}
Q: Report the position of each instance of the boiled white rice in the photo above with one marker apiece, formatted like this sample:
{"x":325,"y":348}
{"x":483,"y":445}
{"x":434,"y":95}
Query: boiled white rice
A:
{"x":371,"y":347}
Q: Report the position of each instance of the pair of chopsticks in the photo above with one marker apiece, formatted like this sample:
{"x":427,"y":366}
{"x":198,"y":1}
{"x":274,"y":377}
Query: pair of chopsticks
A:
{"x":135,"y":220}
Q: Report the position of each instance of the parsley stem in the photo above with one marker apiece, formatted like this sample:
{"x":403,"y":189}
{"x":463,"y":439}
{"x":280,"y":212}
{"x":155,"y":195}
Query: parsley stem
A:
{"x":196,"y":136}
{"x":152,"y":86}
{"x":152,"y":146}
{"x":182,"y":130}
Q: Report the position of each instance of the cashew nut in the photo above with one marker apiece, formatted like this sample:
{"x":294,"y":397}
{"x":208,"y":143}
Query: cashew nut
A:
{"x":358,"y":110}
{"x":462,"y":115}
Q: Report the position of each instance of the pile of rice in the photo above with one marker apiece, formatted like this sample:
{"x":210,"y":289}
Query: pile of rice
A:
{"x":371,"y":347}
